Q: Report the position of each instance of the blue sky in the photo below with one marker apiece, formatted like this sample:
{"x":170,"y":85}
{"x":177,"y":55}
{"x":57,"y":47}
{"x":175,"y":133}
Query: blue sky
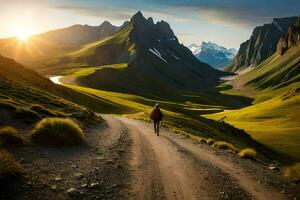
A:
{"x":226,"y":22}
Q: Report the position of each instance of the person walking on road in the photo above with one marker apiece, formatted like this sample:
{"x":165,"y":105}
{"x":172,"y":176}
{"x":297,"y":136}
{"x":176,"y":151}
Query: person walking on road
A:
{"x":156,"y":116}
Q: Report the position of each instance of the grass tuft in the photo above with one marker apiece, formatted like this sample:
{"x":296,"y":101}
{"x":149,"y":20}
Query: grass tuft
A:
{"x":9,"y":167}
{"x":202,"y":141}
{"x":248,"y":153}
{"x":224,"y":145}
{"x":210,"y":141}
{"x":10,"y":136}
{"x":57,"y":132}
{"x":293,"y":172}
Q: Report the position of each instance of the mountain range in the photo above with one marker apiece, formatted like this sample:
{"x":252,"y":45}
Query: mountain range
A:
{"x":43,"y":47}
{"x":213,"y":54}
{"x":141,"y":57}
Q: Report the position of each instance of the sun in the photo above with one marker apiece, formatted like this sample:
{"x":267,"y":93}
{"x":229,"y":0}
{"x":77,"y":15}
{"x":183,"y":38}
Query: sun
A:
{"x":23,"y":34}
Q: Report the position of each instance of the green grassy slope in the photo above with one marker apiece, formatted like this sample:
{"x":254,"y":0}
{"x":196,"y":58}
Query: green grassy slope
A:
{"x":274,"y":117}
{"x":180,"y":117}
{"x":274,"y":76}
{"x":27,"y":96}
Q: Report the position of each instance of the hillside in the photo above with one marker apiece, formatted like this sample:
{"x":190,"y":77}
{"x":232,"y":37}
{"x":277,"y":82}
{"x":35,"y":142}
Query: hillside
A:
{"x":40,"y":49}
{"x":213,"y":54}
{"x":22,"y":91}
{"x":262,"y":44}
{"x":274,"y":117}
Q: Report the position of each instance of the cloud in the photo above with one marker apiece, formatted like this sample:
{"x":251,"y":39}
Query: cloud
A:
{"x":241,"y":13}
{"x":104,"y":12}
{"x":238,"y":12}
{"x":115,"y":13}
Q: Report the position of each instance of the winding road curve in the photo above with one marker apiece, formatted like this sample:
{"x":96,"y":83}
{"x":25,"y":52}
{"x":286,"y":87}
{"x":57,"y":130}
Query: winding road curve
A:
{"x":170,"y":166}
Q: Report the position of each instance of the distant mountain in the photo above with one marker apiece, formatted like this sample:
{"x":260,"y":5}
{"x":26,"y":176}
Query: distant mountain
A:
{"x":43,"y":47}
{"x":149,"y":58}
{"x":262,"y":44}
{"x":80,"y":34}
{"x":213,"y":54}
{"x":195,"y":48}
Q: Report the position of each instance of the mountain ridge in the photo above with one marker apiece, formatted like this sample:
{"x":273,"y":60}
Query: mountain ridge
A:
{"x":149,"y":50}
{"x":262,"y":44}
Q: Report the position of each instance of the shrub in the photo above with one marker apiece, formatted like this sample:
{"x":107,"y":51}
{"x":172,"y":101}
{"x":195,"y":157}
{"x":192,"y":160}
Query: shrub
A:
{"x":9,"y":167}
{"x":210,"y":141}
{"x":224,"y":145}
{"x":248,"y":153}
{"x":57,"y":132}
{"x":10,"y":136}
{"x":293,"y":172}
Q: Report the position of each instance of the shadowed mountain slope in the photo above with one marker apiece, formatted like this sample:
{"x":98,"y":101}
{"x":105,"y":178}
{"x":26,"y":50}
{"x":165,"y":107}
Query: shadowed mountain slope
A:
{"x":152,"y":58}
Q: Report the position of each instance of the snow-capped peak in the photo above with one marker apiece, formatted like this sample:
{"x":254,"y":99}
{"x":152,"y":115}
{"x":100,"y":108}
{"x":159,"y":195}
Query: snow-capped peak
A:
{"x":213,"y":48}
{"x":212,"y":53}
{"x":195,"y":48}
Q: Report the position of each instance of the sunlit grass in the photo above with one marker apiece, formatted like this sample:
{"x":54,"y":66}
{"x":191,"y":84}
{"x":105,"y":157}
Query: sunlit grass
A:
{"x":274,"y":122}
{"x":91,"y":70}
{"x":57,"y":132}
{"x":248,"y":153}
{"x":293,"y":172}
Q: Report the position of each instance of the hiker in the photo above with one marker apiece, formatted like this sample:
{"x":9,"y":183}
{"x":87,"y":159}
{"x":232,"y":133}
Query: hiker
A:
{"x":156,"y":116}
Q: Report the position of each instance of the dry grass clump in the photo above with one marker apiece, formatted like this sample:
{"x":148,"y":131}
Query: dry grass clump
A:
{"x":224,"y":145}
{"x":9,"y":167}
{"x":248,"y":153}
{"x":10,"y":136}
{"x":293,"y":172}
{"x":202,"y":141}
{"x":210,"y":141}
{"x":57,"y":132}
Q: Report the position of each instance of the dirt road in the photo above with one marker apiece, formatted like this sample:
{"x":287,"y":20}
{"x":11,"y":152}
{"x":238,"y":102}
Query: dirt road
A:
{"x":170,"y":166}
{"x":123,"y":159}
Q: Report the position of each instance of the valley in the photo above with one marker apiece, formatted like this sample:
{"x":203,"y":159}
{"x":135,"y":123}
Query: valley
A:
{"x":74,"y":118}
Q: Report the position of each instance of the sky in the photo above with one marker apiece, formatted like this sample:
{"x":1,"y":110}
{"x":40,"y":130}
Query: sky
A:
{"x":225,"y":22}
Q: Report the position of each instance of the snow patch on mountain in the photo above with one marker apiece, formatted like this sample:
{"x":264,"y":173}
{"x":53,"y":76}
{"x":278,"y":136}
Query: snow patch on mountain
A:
{"x":156,"y":52}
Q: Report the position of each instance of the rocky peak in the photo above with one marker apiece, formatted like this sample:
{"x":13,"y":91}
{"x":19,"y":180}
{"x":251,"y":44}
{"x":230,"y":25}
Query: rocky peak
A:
{"x":165,"y":29}
{"x":150,"y":19}
{"x":106,"y":24}
{"x":291,"y":39}
{"x":138,"y":19}
{"x":262,"y":43}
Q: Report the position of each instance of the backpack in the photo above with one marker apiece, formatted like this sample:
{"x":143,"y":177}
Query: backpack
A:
{"x":156,"y":114}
